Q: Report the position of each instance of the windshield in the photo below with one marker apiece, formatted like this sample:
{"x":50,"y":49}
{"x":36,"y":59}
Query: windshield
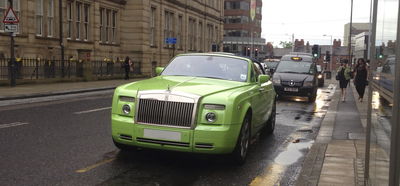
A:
{"x":271,"y":64}
{"x":294,"y":67}
{"x":208,"y":66}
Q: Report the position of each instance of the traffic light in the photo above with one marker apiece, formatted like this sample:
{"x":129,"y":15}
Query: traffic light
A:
{"x":315,"y":51}
{"x":248,"y":51}
{"x":256,"y":52}
{"x":379,"y":52}
{"x":328,"y":56}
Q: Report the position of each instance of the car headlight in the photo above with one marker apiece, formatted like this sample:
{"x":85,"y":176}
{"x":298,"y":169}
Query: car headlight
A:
{"x":308,"y":83}
{"x":276,"y":81}
{"x":214,"y":107}
{"x":126,"y":109}
{"x":211,"y":117}
{"x":320,"y":76}
{"x":127,"y":98}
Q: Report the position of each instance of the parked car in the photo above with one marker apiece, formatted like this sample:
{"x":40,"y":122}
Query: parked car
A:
{"x":199,"y":103}
{"x":296,"y":75}
{"x":320,"y":76}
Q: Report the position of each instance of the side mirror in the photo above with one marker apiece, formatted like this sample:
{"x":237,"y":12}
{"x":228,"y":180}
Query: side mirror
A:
{"x":159,"y":70}
{"x":263,"y":78}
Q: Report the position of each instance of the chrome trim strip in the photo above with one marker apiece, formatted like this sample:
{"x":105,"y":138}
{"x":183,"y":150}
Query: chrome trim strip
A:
{"x":162,"y":142}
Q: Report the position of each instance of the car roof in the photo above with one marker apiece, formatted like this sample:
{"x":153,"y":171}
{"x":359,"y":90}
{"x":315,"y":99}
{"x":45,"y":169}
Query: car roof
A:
{"x":305,"y":57}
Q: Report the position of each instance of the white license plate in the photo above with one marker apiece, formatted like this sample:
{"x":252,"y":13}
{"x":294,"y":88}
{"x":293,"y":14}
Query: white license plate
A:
{"x":162,"y":134}
{"x":291,"y":89}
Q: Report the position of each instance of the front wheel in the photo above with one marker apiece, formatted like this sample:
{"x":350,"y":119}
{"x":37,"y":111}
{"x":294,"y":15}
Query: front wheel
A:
{"x":239,"y":154}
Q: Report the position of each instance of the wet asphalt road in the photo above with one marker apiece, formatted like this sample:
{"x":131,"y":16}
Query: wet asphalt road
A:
{"x":68,"y":142}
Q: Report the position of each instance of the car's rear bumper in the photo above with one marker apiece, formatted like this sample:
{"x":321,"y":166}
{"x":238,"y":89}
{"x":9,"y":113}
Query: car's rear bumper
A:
{"x":218,"y":139}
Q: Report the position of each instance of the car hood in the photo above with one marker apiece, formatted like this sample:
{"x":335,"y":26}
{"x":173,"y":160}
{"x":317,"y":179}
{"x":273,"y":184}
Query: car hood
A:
{"x":193,"y":85}
{"x":293,"y":76}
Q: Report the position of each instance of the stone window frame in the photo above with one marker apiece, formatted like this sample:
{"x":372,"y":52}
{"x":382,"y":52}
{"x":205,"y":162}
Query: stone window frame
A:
{"x":108,"y":27}
{"x":152,"y":26}
{"x":169,"y":26}
{"x":39,"y":14}
{"x":50,"y":18}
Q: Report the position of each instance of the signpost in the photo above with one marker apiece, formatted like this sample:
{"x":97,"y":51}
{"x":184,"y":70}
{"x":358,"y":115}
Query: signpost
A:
{"x":171,"y":41}
{"x":11,"y":25}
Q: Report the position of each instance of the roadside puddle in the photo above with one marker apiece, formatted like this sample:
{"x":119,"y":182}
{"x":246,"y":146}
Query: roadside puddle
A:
{"x":293,"y":152}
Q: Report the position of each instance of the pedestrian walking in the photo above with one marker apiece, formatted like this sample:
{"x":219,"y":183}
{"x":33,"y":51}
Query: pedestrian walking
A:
{"x":127,"y":67}
{"x":343,"y":76}
{"x":360,"y":78}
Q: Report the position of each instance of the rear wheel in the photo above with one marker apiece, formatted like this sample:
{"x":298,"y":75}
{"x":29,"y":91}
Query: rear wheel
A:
{"x":270,"y":127}
{"x":239,"y":154}
{"x":312,"y":97}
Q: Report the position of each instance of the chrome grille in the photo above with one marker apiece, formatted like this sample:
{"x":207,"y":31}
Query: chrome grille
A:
{"x":167,"y":113}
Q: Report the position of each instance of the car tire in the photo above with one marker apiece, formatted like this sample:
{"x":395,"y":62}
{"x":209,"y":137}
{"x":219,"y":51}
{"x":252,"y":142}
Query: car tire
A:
{"x":270,"y":126}
{"x":123,"y":147}
{"x":239,"y":154}
{"x":313,"y":97}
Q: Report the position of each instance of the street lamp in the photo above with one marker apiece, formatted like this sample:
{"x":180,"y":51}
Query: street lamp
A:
{"x":330,"y":61}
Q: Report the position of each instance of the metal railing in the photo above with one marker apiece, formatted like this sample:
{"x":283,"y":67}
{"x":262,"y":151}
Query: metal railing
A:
{"x":27,"y":68}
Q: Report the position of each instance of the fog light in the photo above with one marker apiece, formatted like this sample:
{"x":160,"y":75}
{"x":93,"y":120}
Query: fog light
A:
{"x":211,"y":117}
{"x":126,"y":109}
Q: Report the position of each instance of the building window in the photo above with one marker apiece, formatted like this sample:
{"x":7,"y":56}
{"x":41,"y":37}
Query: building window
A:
{"x":86,"y":22}
{"x":201,"y":45}
{"x":180,"y":33}
{"x":107,"y":33}
{"x":152,"y":26}
{"x":108,"y":25}
{"x":39,"y":17}
{"x":50,"y":18}
{"x":210,"y":35}
{"x":192,"y":34}
{"x":78,"y":20}
{"x":69,"y":20}
{"x":169,"y":25}
{"x":101,"y":24}
{"x":113,"y":26}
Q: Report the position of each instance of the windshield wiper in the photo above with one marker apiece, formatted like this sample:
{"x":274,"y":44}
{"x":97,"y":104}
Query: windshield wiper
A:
{"x":211,"y":77}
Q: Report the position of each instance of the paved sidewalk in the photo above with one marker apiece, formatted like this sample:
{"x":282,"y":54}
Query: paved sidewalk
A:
{"x":41,"y":90}
{"x":337,"y":156}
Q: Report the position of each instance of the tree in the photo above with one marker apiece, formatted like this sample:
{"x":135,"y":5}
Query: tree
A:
{"x":286,"y":44}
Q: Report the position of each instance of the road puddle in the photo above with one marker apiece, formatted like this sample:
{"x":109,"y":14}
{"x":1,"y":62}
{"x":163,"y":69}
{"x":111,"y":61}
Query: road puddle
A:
{"x":293,"y":152}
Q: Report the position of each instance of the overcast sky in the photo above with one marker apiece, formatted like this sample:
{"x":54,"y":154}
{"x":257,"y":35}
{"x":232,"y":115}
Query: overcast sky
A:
{"x":310,"y":19}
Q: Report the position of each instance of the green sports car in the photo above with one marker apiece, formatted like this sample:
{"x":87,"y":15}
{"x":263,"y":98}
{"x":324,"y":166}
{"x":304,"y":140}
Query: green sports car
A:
{"x":209,"y":103}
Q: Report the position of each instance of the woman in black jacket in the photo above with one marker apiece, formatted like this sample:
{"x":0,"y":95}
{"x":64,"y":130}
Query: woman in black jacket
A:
{"x":360,"y":78}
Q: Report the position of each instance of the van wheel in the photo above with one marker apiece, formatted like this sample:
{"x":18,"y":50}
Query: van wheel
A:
{"x":239,"y":154}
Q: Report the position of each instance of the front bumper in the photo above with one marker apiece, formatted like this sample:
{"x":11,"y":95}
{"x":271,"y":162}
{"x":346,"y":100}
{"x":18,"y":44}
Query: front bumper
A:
{"x":208,"y":139}
{"x":302,"y":91}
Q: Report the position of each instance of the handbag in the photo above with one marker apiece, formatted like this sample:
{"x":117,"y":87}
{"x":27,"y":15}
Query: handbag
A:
{"x":337,"y":77}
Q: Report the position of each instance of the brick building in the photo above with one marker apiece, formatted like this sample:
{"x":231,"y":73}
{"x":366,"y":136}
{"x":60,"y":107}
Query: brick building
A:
{"x":113,"y":29}
{"x":240,"y":31}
